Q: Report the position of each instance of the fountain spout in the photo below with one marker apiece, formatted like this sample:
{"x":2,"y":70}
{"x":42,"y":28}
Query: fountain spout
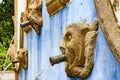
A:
{"x":24,"y":24}
{"x":57,"y":59}
{"x":15,"y":61}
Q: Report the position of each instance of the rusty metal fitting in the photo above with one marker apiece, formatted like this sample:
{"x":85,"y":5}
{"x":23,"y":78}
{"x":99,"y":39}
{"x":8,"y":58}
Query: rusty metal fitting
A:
{"x":15,"y":61}
{"x":24,"y":24}
{"x":57,"y":59}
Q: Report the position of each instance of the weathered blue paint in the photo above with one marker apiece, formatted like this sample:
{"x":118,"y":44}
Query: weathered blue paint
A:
{"x":46,"y":44}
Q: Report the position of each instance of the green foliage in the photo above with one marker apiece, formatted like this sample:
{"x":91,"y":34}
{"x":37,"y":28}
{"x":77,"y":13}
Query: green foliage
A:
{"x":6,"y":23}
{"x":6,"y":28}
{"x":3,"y":64}
{"x":8,"y":61}
{"x":3,"y":49}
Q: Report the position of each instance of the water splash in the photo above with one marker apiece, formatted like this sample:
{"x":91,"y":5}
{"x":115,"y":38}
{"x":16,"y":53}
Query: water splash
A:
{"x":41,"y":72}
{"x":5,"y":70}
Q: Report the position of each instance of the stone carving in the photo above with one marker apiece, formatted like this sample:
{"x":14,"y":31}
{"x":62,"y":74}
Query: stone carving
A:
{"x":25,"y":27}
{"x":115,"y":4}
{"x":20,"y":60}
{"x":116,"y":8}
{"x":34,"y":14}
{"x":12,"y":51}
{"x":109,"y":25}
{"x":53,"y":6}
{"x":78,"y":43}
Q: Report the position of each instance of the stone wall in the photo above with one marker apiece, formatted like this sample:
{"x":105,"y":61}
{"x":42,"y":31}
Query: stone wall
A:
{"x":8,"y":75}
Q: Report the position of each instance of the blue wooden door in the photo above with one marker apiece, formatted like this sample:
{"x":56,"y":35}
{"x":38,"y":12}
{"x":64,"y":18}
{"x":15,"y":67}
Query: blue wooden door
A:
{"x":46,"y":44}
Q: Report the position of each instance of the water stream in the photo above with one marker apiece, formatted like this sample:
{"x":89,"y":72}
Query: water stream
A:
{"x":7,"y":55}
{"x":41,"y":72}
{"x":5,"y":70}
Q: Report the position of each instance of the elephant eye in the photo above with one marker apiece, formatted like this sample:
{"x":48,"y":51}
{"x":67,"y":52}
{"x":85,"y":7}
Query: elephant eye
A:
{"x":68,"y":36}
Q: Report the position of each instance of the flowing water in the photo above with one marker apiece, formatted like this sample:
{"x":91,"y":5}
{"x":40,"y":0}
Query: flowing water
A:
{"x":8,"y":50}
{"x":7,"y":55}
{"x":5,"y":70}
{"x":41,"y":72}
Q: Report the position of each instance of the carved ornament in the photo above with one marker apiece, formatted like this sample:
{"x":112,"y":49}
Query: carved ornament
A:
{"x":109,"y":24}
{"x":53,"y":6}
{"x":19,"y":60}
{"x":78,"y":43}
{"x":33,"y":14}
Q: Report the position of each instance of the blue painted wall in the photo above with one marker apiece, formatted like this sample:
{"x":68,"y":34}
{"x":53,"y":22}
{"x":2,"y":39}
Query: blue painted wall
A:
{"x":46,"y":44}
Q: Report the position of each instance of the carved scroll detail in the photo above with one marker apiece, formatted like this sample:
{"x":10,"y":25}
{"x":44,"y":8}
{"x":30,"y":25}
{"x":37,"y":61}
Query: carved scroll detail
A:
{"x":78,"y":43}
{"x":116,"y":9}
{"x":109,"y":25}
{"x":53,"y":6}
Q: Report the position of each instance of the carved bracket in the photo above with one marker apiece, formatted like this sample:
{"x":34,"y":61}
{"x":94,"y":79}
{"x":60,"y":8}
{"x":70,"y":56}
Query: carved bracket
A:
{"x":32,"y":16}
{"x":53,"y":6}
{"x":109,"y":26}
